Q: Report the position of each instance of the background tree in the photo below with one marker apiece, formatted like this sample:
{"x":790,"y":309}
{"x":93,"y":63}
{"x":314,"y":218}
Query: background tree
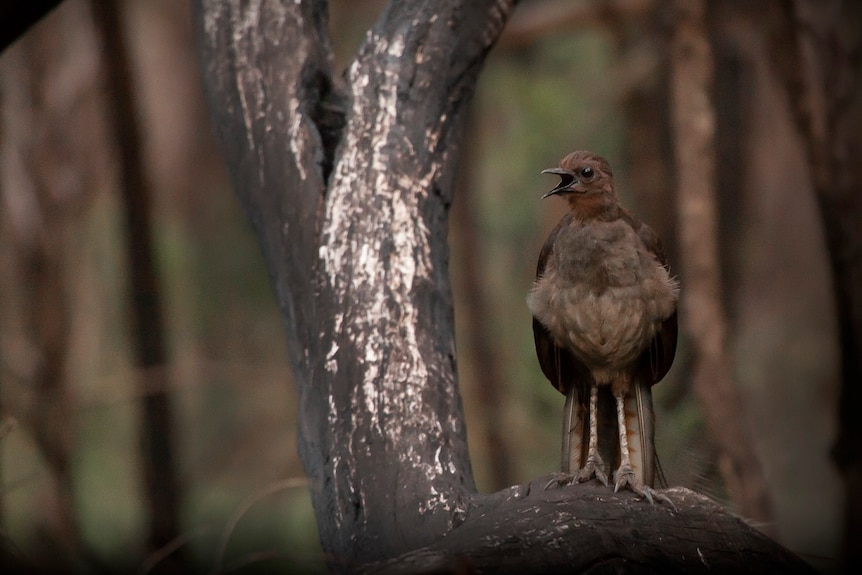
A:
{"x":694,"y":122}
{"x":43,"y":193}
{"x":145,"y":294}
{"x":817,"y":49}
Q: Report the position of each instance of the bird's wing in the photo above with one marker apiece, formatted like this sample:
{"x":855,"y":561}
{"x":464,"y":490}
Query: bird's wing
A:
{"x":565,"y":372}
{"x":657,"y":358}
{"x":558,"y":364}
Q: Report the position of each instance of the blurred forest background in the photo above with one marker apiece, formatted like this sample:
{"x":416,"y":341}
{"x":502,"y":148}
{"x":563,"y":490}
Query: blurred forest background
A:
{"x":74,"y":396}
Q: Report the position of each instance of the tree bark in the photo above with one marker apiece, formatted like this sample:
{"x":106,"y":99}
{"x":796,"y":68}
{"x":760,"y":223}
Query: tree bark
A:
{"x":530,"y":529}
{"x":348,"y":188}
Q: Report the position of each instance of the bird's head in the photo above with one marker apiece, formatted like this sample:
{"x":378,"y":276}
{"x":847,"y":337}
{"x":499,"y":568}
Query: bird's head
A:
{"x":582,"y":173}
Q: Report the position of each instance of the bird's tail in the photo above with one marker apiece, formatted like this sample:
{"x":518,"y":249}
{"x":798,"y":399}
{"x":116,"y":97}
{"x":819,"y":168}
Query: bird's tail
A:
{"x":575,"y":433}
{"x":639,"y":425}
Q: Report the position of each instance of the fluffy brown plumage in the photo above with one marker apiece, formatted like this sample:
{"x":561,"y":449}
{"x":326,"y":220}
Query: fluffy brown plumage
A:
{"x":605,"y":324}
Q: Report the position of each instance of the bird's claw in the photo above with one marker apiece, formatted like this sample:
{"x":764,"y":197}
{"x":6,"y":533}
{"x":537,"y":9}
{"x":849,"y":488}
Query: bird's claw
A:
{"x":593,"y":468}
{"x":625,"y":478}
{"x":560,"y":479}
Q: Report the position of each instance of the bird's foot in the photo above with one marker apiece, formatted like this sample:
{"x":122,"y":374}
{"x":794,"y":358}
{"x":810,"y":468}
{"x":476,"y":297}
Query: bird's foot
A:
{"x":625,"y":477}
{"x":594,"y":467}
{"x":560,"y":479}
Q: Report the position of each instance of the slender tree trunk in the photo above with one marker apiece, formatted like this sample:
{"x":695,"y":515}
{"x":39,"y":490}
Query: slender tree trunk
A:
{"x":816,"y":51}
{"x":702,"y":310}
{"x":148,"y":331}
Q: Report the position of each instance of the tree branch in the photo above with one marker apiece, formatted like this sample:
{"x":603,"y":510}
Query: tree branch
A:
{"x":586,"y":529}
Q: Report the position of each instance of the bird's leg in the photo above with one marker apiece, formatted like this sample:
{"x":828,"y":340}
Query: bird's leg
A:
{"x":625,"y":475}
{"x":594,"y":466}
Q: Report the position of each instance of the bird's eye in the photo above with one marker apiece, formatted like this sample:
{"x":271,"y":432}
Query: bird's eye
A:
{"x":587,"y":173}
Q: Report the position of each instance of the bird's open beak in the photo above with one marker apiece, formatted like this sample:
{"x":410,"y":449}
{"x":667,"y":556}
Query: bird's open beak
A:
{"x":567,"y":180}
